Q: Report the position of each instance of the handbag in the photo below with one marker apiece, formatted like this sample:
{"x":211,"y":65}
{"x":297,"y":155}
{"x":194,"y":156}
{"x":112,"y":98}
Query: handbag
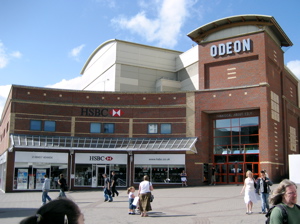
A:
{"x":151,"y":197}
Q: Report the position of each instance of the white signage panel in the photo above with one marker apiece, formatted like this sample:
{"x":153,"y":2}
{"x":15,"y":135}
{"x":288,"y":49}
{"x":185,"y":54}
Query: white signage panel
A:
{"x":100,"y":158}
{"x":41,"y":157}
{"x":159,"y":159}
{"x":294,"y":161}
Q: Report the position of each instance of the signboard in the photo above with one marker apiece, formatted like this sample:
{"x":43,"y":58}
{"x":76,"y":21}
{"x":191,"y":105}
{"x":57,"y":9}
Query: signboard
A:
{"x":159,"y":159}
{"x":100,"y":158}
{"x":41,"y":157}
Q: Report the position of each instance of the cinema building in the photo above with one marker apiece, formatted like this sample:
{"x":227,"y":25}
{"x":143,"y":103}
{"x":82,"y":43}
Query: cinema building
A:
{"x":228,"y":102}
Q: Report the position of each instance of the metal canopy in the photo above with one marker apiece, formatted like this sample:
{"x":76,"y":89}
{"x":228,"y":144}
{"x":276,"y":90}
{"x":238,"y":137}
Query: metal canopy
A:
{"x":111,"y":144}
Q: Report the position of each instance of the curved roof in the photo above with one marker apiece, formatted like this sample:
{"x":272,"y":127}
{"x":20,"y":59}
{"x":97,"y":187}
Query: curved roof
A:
{"x":94,"y":52}
{"x":200,"y":33}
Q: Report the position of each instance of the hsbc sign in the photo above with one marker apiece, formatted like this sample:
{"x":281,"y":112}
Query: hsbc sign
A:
{"x":100,"y":158}
{"x":97,"y":112}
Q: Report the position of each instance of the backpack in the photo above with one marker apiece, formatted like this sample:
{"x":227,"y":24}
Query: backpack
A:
{"x":283,"y":211}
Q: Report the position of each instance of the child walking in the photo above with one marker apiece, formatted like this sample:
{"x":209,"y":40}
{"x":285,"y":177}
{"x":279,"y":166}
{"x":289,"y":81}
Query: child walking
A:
{"x":131,"y":196}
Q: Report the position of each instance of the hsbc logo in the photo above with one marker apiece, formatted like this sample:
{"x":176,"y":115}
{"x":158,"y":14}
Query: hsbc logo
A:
{"x":101,"y":158}
{"x":116,"y":113}
{"x":96,"y":112}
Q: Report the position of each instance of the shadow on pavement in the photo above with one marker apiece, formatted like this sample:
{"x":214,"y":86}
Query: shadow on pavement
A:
{"x":16,"y":212}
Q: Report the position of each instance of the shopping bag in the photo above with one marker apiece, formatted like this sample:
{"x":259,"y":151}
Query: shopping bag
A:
{"x":135,"y":201}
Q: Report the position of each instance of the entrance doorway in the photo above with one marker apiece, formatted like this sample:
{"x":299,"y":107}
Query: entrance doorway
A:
{"x":100,"y":170}
{"x":234,"y":173}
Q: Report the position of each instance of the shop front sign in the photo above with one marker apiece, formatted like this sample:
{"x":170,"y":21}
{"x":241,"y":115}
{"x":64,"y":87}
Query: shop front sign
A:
{"x":230,"y":47}
{"x":159,"y":159}
{"x":100,"y":158}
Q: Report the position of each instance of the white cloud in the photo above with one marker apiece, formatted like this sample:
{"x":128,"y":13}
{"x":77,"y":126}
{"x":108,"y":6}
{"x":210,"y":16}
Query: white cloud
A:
{"x":6,"y":57}
{"x":75,"y":83}
{"x":16,"y":54}
{"x":294,"y":66}
{"x":4,"y":91}
{"x":165,"y":27}
{"x":75,"y":52}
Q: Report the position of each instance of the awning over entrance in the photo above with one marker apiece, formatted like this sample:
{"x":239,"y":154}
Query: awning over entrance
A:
{"x":111,"y":144}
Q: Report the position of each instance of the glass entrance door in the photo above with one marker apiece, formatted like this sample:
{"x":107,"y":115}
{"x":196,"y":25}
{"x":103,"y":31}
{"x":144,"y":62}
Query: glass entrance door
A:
{"x":100,"y":170}
{"x":235,"y":173}
{"x":254,"y":168}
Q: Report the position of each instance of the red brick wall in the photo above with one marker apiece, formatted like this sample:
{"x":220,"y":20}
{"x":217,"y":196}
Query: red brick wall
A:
{"x":249,"y":66}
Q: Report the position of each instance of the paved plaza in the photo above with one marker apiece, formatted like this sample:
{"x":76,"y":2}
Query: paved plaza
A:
{"x":205,"y":204}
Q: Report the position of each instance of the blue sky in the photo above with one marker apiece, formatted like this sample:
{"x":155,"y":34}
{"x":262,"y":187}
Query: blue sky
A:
{"x":45,"y":43}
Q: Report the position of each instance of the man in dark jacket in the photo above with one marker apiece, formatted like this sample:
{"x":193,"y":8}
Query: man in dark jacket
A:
{"x":263,"y":189}
{"x":62,"y":183}
{"x":114,"y":179}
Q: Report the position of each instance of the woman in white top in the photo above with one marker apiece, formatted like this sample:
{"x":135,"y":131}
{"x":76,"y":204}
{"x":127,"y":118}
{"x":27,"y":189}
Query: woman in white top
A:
{"x":144,"y":193}
{"x":250,"y":195}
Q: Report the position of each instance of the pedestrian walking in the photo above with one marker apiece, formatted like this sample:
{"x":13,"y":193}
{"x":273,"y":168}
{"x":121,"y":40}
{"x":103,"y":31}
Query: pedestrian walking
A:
{"x":250,"y":195}
{"x":63,"y":184}
{"x":144,"y":194}
{"x":46,"y":189}
{"x":131,"y":196}
{"x":213,"y":176}
{"x":263,"y":189}
{"x":114,"y":180}
{"x":106,"y":189}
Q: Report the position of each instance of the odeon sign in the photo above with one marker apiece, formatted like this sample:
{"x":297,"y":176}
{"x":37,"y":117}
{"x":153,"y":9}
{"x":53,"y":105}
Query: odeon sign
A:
{"x":96,"y":112}
{"x":230,"y":47}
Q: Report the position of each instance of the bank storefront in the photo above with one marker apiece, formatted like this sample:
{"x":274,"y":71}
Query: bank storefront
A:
{"x":89,"y":168}
{"x":30,"y":168}
{"x":83,"y":161}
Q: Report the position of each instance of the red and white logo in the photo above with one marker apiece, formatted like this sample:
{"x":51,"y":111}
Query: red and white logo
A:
{"x":116,"y":113}
{"x":109,"y":158}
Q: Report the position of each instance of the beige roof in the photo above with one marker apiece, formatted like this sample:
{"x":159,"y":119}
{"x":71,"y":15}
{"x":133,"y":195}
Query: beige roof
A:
{"x":259,"y":20}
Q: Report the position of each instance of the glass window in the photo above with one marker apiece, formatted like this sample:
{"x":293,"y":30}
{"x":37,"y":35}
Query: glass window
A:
{"x":35,"y":125}
{"x":235,"y":122}
{"x":83,"y":175}
{"x":49,"y":126}
{"x":222,"y":141}
{"x":222,"y":123}
{"x":152,"y":129}
{"x":222,"y":132}
{"x":108,"y":128}
{"x":248,"y":121}
{"x":159,"y":173}
{"x":236,"y":134}
{"x":95,"y":128}
{"x":31,"y":177}
{"x":165,"y":129}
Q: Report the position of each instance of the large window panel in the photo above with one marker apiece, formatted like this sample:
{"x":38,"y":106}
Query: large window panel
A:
{"x":49,"y":126}
{"x":165,"y":129}
{"x":249,"y":121}
{"x":222,"y":132}
{"x":108,"y":128}
{"x":95,"y":128}
{"x":35,"y":125}
{"x":223,"y":123}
